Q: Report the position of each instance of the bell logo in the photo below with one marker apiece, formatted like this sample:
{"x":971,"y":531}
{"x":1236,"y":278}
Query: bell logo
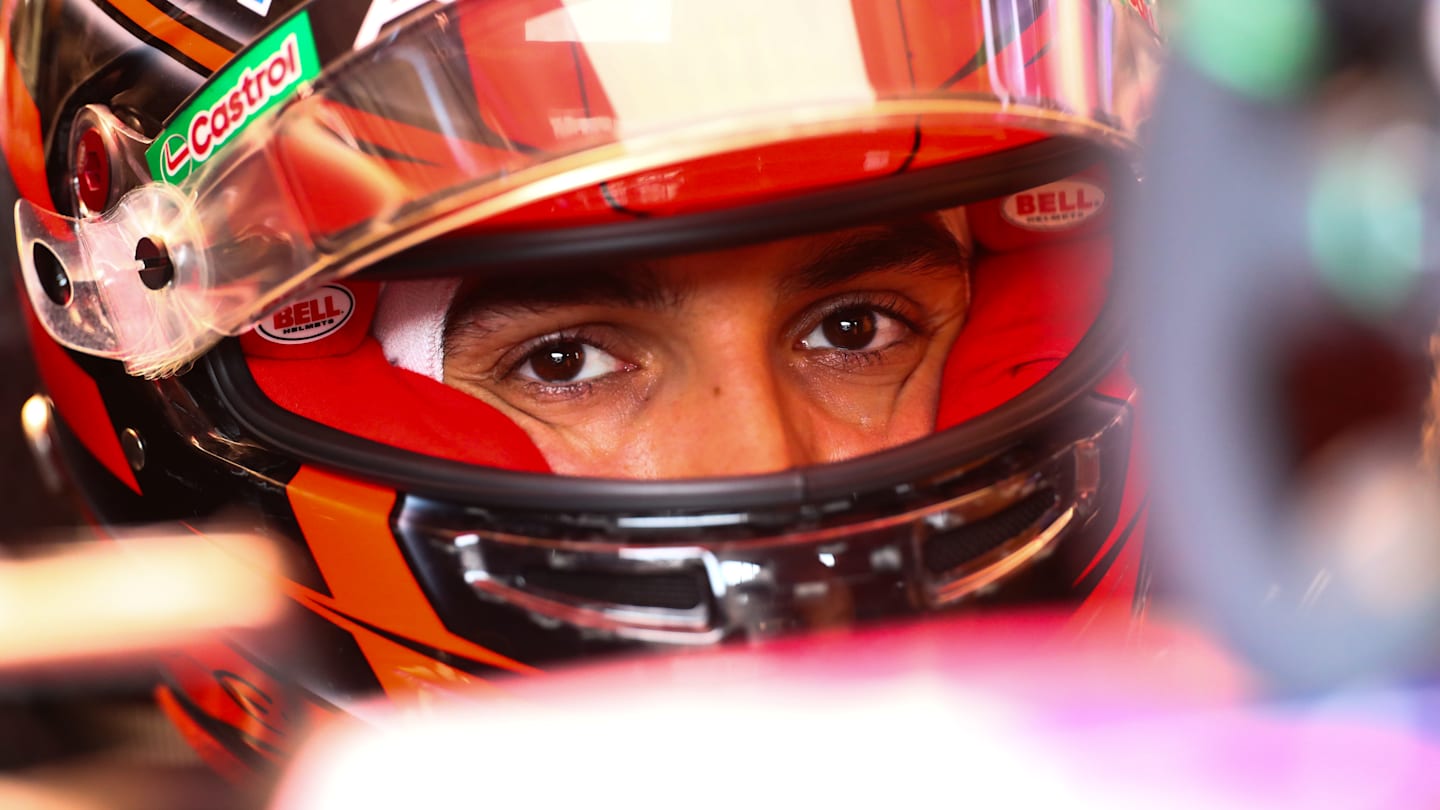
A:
{"x":1055,"y":206}
{"x":311,"y":318}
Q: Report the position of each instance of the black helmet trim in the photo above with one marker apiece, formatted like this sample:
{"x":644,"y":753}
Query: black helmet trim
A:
{"x":983,"y":178}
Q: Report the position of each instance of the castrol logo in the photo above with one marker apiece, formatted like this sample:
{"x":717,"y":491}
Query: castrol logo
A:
{"x":309,"y":319}
{"x":257,"y":81}
{"x":214,"y":125}
{"x":1055,"y":206}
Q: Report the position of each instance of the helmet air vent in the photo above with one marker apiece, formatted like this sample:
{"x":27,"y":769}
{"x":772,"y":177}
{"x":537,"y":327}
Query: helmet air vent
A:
{"x":967,"y":542}
{"x":679,"y":590}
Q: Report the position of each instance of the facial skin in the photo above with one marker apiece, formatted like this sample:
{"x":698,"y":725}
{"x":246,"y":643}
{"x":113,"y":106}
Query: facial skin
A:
{"x":748,"y":360}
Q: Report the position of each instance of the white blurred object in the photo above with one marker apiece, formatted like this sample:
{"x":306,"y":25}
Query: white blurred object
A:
{"x":1011,"y":711}
{"x":104,"y":601}
{"x":35,"y":419}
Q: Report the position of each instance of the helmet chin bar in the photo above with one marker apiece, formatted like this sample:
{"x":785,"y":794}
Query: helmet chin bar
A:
{"x":701,"y":578}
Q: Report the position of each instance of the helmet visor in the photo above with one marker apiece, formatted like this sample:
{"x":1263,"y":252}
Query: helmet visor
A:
{"x":284,"y":174}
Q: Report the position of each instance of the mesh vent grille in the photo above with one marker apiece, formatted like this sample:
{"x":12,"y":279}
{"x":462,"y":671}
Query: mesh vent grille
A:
{"x":955,"y":547}
{"x":676,"y":591}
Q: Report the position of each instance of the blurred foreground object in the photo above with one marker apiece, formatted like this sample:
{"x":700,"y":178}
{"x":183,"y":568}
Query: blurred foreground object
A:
{"x":109,"y":603}
{"x":1286,"y":301}
{"x":1003,"y":711}
{"x":82,"y":630}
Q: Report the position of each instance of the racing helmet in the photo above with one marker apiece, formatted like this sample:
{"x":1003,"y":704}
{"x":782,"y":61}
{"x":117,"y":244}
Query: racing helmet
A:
{"x":254,"y":236}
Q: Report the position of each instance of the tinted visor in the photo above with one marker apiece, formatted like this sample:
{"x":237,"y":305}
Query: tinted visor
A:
{"x":518,"y":114}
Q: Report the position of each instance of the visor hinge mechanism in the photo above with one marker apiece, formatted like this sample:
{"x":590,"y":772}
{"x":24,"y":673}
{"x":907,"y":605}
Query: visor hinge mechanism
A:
{"x":156,"y":271}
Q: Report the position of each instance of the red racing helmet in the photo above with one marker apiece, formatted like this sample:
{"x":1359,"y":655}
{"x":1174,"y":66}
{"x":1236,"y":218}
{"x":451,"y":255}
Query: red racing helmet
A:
{"x":253,"y":234}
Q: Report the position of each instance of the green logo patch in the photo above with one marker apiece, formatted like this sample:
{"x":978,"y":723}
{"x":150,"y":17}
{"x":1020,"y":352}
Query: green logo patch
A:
{"x":262,"y":77}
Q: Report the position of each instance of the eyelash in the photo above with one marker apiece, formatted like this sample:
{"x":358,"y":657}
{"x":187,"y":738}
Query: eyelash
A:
{"x":890,"y":305}
{"x":522,"y":354}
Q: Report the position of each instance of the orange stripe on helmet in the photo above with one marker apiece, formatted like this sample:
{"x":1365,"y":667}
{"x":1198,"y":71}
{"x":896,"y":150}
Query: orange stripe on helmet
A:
{"x":404,"y":674}
{"x":214,"y":754}
{"x":20,"y":129}
{"x":173,"y":33}
{"x":347,"y":526}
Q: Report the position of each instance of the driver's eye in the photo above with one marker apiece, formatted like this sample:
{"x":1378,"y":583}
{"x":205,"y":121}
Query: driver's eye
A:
{"x":855,"y":329}
{"x":558,"y":363}
{"x":851,"y":329}
{"x":565,"y":361}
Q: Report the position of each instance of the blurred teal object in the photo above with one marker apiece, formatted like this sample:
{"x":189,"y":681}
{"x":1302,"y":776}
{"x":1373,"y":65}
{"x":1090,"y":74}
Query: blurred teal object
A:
{"x":1365,"y":223}
{"x":1263,"y":49}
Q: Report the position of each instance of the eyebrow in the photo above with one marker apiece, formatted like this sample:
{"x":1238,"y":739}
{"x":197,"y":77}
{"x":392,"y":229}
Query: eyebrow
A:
{"x":633,"y":285}
{"x":920,"y":245}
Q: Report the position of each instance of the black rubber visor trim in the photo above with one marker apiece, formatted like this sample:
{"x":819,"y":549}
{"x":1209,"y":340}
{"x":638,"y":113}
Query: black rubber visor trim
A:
{"x":444,"y":479}
{"x":982,"y":178}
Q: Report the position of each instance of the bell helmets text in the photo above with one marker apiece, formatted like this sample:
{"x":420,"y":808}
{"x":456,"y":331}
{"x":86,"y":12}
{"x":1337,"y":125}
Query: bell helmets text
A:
{"x":252,"y":89}
{"x":1054,"y":206}
{"x":310,"y":318}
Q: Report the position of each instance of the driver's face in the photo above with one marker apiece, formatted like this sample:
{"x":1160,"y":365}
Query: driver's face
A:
{"x":746,"y":360}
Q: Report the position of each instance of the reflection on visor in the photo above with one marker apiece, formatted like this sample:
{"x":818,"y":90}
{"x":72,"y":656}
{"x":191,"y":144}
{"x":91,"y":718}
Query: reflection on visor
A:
{"x":486,"y":108}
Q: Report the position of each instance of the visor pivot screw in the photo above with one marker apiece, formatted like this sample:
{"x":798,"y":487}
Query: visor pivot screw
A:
{"x":134,"y":448}
{"x":155,"y":267}
{"x":92,"y":173}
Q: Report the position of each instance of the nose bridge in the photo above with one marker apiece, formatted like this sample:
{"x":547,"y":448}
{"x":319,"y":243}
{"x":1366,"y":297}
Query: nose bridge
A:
{"x":746,"y":421}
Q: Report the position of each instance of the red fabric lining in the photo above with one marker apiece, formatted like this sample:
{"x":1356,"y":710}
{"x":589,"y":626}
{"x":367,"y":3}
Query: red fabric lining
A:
{"x":1028,"y":310}
{"x":362,"y":394}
